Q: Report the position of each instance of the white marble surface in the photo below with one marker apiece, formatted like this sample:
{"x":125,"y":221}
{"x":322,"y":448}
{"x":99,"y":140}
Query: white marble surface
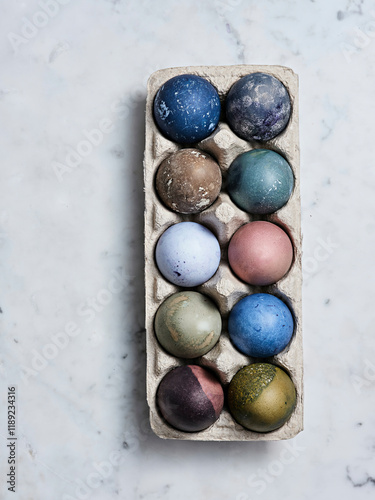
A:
{"x":71,"y":246}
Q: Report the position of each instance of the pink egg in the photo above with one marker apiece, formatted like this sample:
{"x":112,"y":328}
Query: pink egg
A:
{"x":260,"y":253}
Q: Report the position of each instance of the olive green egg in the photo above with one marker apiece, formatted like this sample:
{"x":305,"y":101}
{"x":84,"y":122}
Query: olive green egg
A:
{"x":261,"y":397}
{"x":188,"y":324}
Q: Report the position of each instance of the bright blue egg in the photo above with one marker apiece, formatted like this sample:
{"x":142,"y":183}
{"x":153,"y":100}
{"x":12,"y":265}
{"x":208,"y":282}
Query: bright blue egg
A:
{"x":187,"y":109}
{"x":260,"y":325}
{"x":260,"y":181}
{"x":187,"y":254}
{"x":258,"y":107}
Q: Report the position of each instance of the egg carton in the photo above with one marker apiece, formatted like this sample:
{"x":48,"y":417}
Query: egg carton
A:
{"x":223,"y":218}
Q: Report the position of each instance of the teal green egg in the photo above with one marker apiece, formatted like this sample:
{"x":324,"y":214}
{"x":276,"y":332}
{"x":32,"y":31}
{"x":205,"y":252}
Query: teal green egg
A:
{"x":260,"y":181}
{"x":188,"y":324}
{"x":261,"y":397}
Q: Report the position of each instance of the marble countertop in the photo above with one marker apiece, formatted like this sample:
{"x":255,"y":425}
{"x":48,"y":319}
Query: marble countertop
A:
{"x":72,"y":94}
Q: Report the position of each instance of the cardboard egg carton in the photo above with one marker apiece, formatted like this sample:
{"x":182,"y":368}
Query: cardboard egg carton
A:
{"x":223,"y":218}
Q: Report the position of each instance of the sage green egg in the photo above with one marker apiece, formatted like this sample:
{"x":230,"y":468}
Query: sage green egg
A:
{"x":261,"y":397}
{"x":188,"y":324}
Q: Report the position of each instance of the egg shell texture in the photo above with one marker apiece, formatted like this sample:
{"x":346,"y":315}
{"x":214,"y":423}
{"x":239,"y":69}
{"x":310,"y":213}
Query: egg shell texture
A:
{"x":260,"y":181}
{"x":261,"y":397}
{"x":260,"y":253}
{"x":188,"y":324}
{"x":258,"y":107}
{"x":187,"y":254}
{"x":190,"y":398}
{"x":188,"y":181}
{"x":187,"y":108}
{"x":260,"y":325}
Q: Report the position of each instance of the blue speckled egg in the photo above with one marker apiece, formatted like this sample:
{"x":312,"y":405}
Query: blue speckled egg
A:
{"x":260,"y":325}
{"x":187,"y":254}
{"x":258,"y":107}
{"x":260,"y":181}
{"x":187,"y":109}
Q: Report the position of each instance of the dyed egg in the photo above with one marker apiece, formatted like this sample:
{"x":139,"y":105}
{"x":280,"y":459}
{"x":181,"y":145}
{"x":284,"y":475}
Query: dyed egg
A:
{"x":261,"y":397}
{"x":188,"y":324}
{"x":187,"y":254}
{"x":260,"y":253}
{"x":260,"y":181}
{"x":188,"y":181}
{"x":187,"y":109}
{"x":258,"y":107}
{"x":260,"y":325}
{"x":190,"y":398}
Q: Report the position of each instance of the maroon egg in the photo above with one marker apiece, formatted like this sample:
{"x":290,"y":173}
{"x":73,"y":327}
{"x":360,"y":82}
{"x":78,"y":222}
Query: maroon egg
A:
{"x":188,"y":181}
{"x":260,"y":253}
{"x":190,"y":398}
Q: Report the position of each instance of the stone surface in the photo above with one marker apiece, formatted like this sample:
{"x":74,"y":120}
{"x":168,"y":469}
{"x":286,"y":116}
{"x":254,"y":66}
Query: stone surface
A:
{"x":64,"y":241}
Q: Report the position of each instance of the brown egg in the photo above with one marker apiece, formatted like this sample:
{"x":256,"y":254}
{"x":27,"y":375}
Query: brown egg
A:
{"x":188,"y":181}
{"x":260,"y":253}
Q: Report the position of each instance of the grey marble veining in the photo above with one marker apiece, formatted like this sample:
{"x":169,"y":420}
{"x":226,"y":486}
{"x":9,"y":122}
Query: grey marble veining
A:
{"x":72,"y":94}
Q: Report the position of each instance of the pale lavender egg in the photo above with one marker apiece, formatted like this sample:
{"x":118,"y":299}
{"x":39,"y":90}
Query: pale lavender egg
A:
{"x":187,"y":254}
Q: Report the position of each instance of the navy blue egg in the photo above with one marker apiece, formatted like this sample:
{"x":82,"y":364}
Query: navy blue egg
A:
{"x":187,"y":109}
{"x":260,"y":325}
{"x":258,"y":107}
{"x":260,"y":181}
